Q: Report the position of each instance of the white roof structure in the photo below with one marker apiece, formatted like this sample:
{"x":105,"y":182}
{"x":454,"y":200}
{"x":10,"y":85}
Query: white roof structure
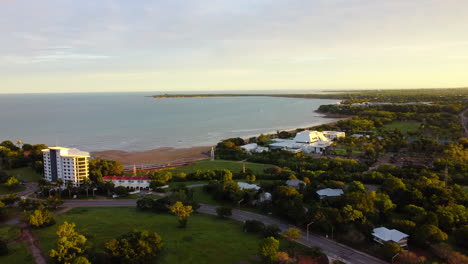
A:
{"x":295,"y":183}
{"x":247,"y":186}
{"x":330,"y":192}
{"x":69,"y":152}
{"x":250,"y":147}
{"x":386,"y":234}
{"x":309,"y":137}
{"x":266,"y":196}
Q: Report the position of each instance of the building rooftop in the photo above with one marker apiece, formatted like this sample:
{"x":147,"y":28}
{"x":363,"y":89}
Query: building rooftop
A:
{"x":295,"y":183}
{"x":330,"y":192}
{"x":248,"y":186}
{"x":68,"y":152}
{"x":386,"y":234}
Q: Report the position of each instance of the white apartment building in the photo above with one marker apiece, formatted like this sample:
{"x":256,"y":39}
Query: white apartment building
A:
{"x":66,"y":164}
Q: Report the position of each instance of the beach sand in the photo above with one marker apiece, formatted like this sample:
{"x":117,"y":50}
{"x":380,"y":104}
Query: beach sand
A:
{"x":168,"y":154}
{"x":154,"y":156}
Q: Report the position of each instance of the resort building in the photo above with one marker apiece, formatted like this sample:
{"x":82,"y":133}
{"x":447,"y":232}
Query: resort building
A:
{"x":329,"y":193}
{"x":132,"y":183}
{"x":383,"y":234}
{"x":307,"y":141}
{"x":66,"y":164}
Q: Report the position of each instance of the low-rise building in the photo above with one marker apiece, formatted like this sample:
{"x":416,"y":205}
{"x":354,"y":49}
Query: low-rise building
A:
{"x":253,"y":147}
{"x":329,"y":193}
{"x":307,"y":141}
{"x":383,"y":234}
{"x":132,"y":183}
{"x":248,"y":186}
{"x":295,"y":183}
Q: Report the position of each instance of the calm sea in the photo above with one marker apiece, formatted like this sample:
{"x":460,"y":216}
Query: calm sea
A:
{"x":131,"y":121}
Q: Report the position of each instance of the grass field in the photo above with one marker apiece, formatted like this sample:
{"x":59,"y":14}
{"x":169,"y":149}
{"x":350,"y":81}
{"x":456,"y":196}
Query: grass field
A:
{"x":342,"y":151}
{"x":234,"y":166}
{"x":18,"y":254}
{"x":207,"y":239}
{"x":26,"y":174}
{"x":5,"y":190}
{"x":404,"y":127}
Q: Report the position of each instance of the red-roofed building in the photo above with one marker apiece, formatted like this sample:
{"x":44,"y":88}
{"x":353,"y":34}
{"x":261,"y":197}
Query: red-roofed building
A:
{"x":135,"y":183}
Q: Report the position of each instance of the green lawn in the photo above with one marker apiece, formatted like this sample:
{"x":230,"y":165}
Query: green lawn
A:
{"x":234,"y":166}
{"x":9,"y":233}
{"x":207,"y":239}
{"x":403,"y":126}
{"x":18,"y":253}
{"x":26,"y":174}
{"x":5,"y":190}
{"x":343,"y":151}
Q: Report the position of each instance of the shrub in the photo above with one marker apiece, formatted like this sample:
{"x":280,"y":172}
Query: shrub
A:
{"x":3,"y":248}
{"x":271,"y":231}
{"x":253,"y":226}
{"x":121,"y":191}
{"x":224,"y":211}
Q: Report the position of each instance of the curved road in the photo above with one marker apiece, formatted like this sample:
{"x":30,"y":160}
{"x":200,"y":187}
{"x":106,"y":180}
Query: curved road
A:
{"x":331,"y":248}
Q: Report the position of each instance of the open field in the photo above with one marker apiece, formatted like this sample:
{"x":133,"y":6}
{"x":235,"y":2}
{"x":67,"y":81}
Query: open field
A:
{"x":404,"y":127}
{"x":5,"y":190}
{"x":25,"y":174}
{"x":217,"y":237}
{"x":234,"y":166}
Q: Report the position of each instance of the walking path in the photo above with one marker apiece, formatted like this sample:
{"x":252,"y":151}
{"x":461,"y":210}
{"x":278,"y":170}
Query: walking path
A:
{"x":331,"y":248}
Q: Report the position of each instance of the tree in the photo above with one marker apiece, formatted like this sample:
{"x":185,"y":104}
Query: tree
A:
{"x":53,"y":202}
{"x":429,"y":234}
{"x":134,"y":247}
{"x":86,"y":184}
{"x":182,"y":212}
{"x":12,"y":183}
{"x":390,"y":249}
{"x":292,"y":234}
{"x":41,"y":217}
{"x":69,"y":185}
{"x":121,"y":191}
{"x":70,"y":244}
{"x":356,"y":186}
{"x":224,"y":211}
{"x":268,"y":249}
{"x":250,"y":178}
{"x":253,"y":226}
{"x":408,"y":257}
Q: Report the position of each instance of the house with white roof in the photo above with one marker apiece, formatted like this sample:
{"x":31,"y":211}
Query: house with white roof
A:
{"x":253,"y":147}
{"x":383,"y":234}
{"x":307,"y":141}
{"x":295,"y":183}
{"x":329,"y":193}
{"x":248,"y":186}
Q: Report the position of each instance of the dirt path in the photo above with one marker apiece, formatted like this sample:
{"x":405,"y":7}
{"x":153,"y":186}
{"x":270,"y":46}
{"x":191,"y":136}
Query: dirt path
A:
{"x":28,"y":237}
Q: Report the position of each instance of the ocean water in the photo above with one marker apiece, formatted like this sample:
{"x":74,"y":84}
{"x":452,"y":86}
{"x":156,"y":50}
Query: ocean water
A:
{"x":132,"y":121}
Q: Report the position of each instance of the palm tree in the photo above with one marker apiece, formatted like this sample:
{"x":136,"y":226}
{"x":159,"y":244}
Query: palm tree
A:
{"x":69,"y":185}
{"x":58,"y":185}
{"x":86,"y":184}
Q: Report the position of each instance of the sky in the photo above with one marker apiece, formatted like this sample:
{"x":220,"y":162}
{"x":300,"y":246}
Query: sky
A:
{"x":209,"y":45}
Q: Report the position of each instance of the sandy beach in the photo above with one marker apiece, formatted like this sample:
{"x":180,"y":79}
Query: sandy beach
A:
{"x":168,"y":154}
{"x":158,"y":155}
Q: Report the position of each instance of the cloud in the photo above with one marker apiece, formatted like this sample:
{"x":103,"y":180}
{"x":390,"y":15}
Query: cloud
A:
{"x":313,"y":59}
{"x":53,"y":54}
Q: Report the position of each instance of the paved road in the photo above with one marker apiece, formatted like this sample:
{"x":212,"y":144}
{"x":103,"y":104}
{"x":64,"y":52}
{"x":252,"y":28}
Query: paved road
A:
{"x":331,"y":248}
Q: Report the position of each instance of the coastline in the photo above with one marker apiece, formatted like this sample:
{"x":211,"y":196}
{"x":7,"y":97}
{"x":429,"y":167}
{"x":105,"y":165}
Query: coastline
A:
{"x":173,"y":154}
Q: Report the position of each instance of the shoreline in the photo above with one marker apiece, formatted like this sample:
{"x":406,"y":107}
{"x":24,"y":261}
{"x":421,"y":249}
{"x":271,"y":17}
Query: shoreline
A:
{"x":174,"y":154}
